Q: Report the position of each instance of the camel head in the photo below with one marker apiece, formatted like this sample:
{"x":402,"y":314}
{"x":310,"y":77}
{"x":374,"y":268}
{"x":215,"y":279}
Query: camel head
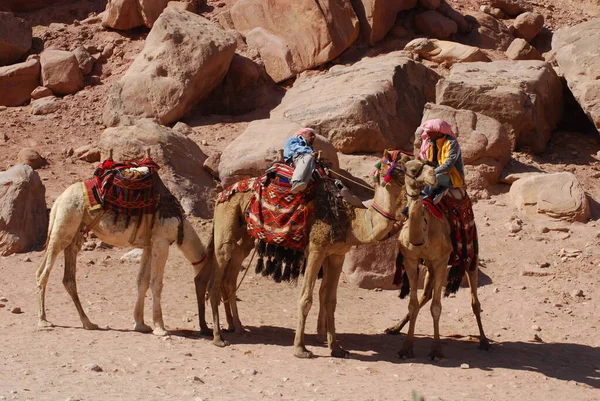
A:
{"x":390,"y":170}
{"x":418,"y":175}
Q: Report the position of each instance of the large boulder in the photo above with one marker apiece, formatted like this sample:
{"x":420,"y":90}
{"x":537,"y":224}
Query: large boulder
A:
{"x":528,"y":25}
{"x":443,"y":51}
{"x":23,"y":214}
{"x":512,"y":7}
{"x":434,"y":24}
{"x":150,"y":10}
{"x":19,"y":6}
{"x":180,"y":160}
{"x":558,"y":195}
{"x":122,"y":15}
{"x":519,"y":49}
{"x":486,"y":32}
{"x":366,"y":107}
{"x":250,"y":154}
{"x":484,"y":144}
{"x":372,"y":266}
{"x":17,"y":81}
{"x":525,"y":96}
{"x":184,"y":58}
{"x":60,"y":72}
{"x":15,"y":38}
{"x":578,"y":57}
{"x":377,"y":17}
{"x":293,"y":36}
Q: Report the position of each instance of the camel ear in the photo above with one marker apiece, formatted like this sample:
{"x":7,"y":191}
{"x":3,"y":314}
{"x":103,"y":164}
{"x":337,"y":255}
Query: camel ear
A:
{"x":387,"y":154}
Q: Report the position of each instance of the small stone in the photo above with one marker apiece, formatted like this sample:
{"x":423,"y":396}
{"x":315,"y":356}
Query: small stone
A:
{"x":2,"y":305}
{"x":537,"y":338}
{"x":203,"y":142}
{"x":535,"y":327}
{"x":577,"y":293}
{"x":3,"y":299}
{"x":27,"y":259}
{"x":248,"y":372}
{"x":544,"y":230}
{"x":544,"y":265}
{"x":194,"y":379}
{"x":464,"y":366}
{"x":285,"y":379}
{"x":133,"y":256}
{"x":93,"y":367}
{"x":89,"y":246}
{"x":524,"y":287}
{"x":16,"y":310}
{"x":496,"y":290}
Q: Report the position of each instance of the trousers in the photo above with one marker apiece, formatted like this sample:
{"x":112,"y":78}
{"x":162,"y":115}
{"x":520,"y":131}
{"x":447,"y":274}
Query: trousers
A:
{"x":304,"y":164}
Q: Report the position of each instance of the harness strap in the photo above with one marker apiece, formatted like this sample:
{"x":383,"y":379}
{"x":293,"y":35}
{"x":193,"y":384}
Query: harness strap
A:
{"x":383,"y":212}
{"x":200,"y":261}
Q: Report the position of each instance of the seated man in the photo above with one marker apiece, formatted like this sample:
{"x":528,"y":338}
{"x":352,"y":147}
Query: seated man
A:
{"x":440,"y":147}
{"x":298,"y":150}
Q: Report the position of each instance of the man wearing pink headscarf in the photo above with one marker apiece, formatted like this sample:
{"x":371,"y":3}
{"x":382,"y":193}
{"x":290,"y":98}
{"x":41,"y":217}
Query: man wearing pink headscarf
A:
{"x":298,"y":150}
{"x":440,"y":147}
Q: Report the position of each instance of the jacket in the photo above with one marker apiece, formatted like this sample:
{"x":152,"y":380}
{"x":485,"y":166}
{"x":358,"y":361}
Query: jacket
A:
{"x":446,"y":156}
{"x":296,"y":146}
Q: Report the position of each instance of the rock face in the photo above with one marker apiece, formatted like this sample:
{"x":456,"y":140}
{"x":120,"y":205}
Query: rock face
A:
{"x":377,"y":17}
{"x":372,"y":266}
{"x":17,"y":81}
{"x":179,"y":158}
{"x":528,"y":25}
{"x":293,"y":36}
{"x":434,"y":24}
{"x":248,"y":157}
{"x":487,"y":32}
{"x":525,"y":96}
{"x":557,"y":195}
{"x":484,"y":144}
{"x":23,"y":215}
{"x":519,"y":49}
{"x":578,"y":57}
{"x":365,"y":107}
{"x":184,"y":58}
{"x":15,"y":38}
{"x":442,"y":51}
{"x":60,"y":72}
{"x":122,"y":14}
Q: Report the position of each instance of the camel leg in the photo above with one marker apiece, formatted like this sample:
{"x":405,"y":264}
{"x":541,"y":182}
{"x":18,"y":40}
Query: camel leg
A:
{"x":69,"y":279}
{"x":425,"y":297}
{"x":223,"y":252}
{"x":160,"y":252}
{"x":143,"y":283}
{"x":484,"y":344}
{"x":322,"y":319}
{"x":43,"y":273}
{"x":230,"y":285}
{"x":200,"y":284}
{"x":412,"y":271}
{"x":439,"y":276}
{"x":335,"y":269}
{"x":315,"y":260}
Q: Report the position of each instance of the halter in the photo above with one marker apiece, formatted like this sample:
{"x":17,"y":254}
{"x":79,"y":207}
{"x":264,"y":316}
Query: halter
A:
{"x":200,"y":261}
{"x":383,"y":212}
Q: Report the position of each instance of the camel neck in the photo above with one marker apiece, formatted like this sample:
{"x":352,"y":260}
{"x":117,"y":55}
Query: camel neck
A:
{"x":416,"y":221}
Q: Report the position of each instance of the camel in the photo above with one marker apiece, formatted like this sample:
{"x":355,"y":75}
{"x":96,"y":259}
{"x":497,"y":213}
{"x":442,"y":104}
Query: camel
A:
{"x":425,"y":237}
{"x":70,"y":217}
{"x":232,"y":244}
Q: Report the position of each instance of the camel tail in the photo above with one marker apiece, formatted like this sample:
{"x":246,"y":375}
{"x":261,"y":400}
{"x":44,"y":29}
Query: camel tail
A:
{"x":50,"y":225}
{"x":400,"y":277}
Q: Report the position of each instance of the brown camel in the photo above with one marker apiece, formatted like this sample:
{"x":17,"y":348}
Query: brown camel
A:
{"x":70,"y":217}
{"x":425,"y":237}
{"x":232,"y":244}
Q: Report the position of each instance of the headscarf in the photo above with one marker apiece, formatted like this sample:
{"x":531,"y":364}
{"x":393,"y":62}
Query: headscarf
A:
{"x":435,"y":125}
{"x":303,"y":131}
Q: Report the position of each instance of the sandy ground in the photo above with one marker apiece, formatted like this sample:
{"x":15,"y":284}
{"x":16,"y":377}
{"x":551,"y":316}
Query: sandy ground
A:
{"x":543,"y":321}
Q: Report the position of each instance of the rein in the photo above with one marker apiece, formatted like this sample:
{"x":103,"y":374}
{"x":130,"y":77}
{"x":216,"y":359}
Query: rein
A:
{"x":383,"y":212}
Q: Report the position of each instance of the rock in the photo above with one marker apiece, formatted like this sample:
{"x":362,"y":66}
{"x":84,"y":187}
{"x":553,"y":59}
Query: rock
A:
{"x":170,"y":75}
{"x":211,"y":164}
{"x":93,"y":367}
{"x":464,"y":366}
{"x":376,"y":17}
{"x":486,"y":32}
{"x":511,"y":7}
{"x":305,"y":34}
{"x":484,"y":143}
{"x":535,"y":327}
{"x":31,"y":158}
{"x":494,"y":12}
{"x":528,"y":25}
{"x":442,"y":51}
{"x":180,"y":160}
{"x":536,"y":272}
{"x":84,"y":59}
{"x":87,"y":153}
{"x":519,"y":49}
{"x":558,"y":195}
{"x":183,"y":128}
{"x":16,"y":310}
{"x":15,"y":38}
{"x":60,"y":72}
{"x":23,"y":215}
{"x":246,"y":157}
{"x":430,"y":4}
{"x":3,"y":299}
{"x":530,"y":93}
{"x":89,"y":246}
{"x":372,"y":266}
{"x":183,"y":5}
{"x":513,"y":227}
{"x":40,"y":92}
{"x":45,"y":105}
{"x":537,"y":338}
{"x":578,"y":57}
{"x":577,"y":294}
{"x":379,"y":109}
{"x":248,"y":372}
{"x":434,"y":24}
{"x":152,"y":9}
{"x":191,"y":379}
{"x":17,"y":81}
{"x":122,"y":15}
{"x":133,"y":256}
{"x":446,"y":10}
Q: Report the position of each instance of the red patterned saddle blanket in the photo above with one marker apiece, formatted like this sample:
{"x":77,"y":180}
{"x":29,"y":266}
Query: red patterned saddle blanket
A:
{"x":123,"y":187}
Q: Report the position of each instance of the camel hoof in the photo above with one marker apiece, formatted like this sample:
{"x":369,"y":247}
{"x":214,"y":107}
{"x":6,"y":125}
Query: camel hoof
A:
{"x":392,"y":331}
{"x":45,"y":323}
{"x":485,"y":345}
{"x":340,"y":353}
{"x":220,"y":343}
{"x":406,"y":353}
{"x":160,"y":332}
{"x":436,"y":354}
{"x":206,"y":332}
{"x":90,"y":326}
{"x":303,"y":353}
{"x":142,"y":328}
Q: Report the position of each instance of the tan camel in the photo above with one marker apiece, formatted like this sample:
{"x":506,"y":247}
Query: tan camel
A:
{"x":69,"y":219}
{"x":232,"y":244}
{"x":425,"y":237}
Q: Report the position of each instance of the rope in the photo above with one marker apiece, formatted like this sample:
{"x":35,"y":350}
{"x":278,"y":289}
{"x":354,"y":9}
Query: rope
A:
{"x":352,"y":181}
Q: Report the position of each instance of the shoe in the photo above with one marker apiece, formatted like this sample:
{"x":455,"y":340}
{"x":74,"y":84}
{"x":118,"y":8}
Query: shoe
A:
{"x":298,"y":186}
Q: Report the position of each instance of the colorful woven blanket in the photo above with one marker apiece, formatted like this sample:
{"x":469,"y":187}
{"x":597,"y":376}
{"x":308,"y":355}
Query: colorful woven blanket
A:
{"x":124,"y":188}
{"x":240,"y":186}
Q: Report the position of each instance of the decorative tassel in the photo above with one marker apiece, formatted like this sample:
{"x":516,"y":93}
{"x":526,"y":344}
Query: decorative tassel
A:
{"x":260,"y":265}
